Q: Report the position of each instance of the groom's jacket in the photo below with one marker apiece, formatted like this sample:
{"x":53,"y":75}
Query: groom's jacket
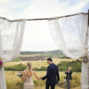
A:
{"x":52,"y":75}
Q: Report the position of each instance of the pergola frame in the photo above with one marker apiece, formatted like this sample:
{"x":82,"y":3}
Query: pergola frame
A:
{"x":86,"y":57}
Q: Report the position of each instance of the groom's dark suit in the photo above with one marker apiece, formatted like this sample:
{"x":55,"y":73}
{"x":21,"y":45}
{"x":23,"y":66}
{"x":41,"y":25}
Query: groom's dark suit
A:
{"x":52,"y":76}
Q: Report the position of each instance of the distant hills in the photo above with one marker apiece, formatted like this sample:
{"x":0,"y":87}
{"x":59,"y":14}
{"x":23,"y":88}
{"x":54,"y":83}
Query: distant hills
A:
{"x":40,"y":55}
{"x":54,"y":53}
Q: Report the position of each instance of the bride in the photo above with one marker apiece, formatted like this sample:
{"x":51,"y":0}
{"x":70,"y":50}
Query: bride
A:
{"x":27,"y":77}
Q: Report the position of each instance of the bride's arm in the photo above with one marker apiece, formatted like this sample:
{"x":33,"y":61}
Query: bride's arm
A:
{"x":23,"y":76}
{"x":35,"y":75}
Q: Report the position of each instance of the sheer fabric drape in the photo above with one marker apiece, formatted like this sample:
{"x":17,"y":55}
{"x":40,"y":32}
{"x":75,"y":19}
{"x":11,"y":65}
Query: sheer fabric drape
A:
{"x":11,"y":36}
{"x":70,"y":36}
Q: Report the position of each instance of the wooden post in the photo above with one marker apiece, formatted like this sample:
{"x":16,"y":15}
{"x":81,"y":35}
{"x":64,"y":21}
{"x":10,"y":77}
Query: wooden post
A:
{"x":85,"y":59}
{"x":87,"y":49}
{"x":85,"y":63}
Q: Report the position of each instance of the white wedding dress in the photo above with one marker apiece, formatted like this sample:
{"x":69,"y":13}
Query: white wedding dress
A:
{"x":28,"y":83}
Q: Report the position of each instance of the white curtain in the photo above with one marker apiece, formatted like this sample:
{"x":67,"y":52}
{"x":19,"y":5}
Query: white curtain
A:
{"x":2,"y":79}
{"x":70,"y":36}
{"x":11,"y":36}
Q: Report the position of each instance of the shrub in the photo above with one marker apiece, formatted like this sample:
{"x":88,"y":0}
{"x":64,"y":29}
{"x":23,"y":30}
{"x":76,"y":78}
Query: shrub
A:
{"x":40,"y":69}
{"x":19,"y":67}
{"x":64,"y":65}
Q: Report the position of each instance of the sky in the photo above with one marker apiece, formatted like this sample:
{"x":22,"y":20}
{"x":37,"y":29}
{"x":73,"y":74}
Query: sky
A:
{"x":37,"y":36}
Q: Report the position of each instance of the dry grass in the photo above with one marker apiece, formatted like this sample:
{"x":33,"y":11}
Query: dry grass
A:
{"x":14,"y":82}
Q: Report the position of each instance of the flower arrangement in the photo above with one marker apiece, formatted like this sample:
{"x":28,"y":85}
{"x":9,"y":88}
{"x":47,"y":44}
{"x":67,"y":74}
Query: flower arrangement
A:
{"x":1,"y":64}
{"x":20,"y":73}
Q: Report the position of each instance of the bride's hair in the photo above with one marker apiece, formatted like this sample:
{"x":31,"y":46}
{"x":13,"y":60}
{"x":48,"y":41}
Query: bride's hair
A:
{"x":29,"y":65}
{"x":30,"y":71}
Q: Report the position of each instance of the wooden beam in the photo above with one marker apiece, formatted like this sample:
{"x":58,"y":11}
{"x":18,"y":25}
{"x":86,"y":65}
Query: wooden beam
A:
{"x":50,"y":18}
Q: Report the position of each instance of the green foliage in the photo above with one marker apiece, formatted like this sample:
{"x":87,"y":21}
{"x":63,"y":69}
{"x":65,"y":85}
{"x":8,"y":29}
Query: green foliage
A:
{"x":17,"y":59}
{"x":19,"y":67}
{"x":75,"y":65}
{"x":40,"y":69}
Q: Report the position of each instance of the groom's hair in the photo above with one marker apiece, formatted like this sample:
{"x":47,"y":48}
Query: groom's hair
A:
{"x":49,"y":59}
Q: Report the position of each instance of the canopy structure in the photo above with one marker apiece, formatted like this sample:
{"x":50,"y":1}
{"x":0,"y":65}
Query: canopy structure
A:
{"x":70,"y":34}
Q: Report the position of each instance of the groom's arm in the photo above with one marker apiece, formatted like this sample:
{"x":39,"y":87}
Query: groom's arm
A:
{"x":47,"y":75}
{"x":58,"y":77}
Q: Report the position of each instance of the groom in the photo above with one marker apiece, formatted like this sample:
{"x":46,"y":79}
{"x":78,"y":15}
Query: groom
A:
{"x":52,"y":75}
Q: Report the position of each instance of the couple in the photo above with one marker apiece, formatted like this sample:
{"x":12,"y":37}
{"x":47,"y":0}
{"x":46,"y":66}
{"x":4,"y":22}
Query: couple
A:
{"x":52,"y":76}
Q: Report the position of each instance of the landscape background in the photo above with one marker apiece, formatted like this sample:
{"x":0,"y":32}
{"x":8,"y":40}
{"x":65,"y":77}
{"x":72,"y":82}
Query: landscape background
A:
{"x":38,"y":61}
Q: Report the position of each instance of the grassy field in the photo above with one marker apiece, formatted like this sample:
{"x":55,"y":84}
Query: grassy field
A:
{"x":37,"y":64}
{"x":14,"y":82}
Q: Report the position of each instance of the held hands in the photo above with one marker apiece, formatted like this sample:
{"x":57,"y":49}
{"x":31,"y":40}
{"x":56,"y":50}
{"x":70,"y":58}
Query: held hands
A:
{"x":66,"y":70}
{"x":40,"y":77}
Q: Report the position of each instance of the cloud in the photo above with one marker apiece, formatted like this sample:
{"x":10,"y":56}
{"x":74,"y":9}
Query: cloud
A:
{"x":39,"y":8}
{"x":12,"y":8}
{"x":4,"y":1}
{"x":78,"y":7}
{"x":42,"y":8}
{"x":4,"y":11}
{"x":45,"y":8}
